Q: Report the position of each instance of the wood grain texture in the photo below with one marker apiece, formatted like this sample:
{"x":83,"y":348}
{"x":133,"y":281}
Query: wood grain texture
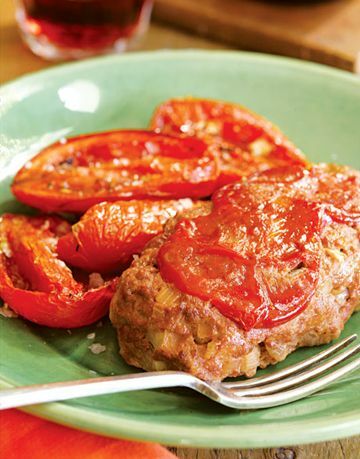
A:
{"x":342,"y":449}
{"x":322,"y":31}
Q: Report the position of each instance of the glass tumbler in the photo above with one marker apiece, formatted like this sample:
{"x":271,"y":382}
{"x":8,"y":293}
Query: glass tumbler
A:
{"x":74,"y":29}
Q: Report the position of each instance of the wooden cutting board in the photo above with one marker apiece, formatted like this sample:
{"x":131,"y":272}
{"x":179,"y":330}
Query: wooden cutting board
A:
{"x":322,"y":31}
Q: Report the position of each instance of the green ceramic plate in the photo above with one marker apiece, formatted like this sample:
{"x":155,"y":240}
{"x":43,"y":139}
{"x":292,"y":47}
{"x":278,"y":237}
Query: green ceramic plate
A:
{"x":319,"y":109}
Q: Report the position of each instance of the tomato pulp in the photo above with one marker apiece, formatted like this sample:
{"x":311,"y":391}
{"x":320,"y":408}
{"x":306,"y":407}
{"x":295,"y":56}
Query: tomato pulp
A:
{"x":39,"y":286}
{"x":118,"y":165}
{"x":335,"y":188}
{"x":245,"y":142}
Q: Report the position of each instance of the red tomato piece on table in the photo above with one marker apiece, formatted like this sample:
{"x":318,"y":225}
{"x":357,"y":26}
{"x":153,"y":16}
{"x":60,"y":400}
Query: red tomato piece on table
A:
{"x":75,"y":174}
{"x":40,"y":287}
{"x":246,"y":142}
{"x":254,"y":257}
{"x":110,"y":233}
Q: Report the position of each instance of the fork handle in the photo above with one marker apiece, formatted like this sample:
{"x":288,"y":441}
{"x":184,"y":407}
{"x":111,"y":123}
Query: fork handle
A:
{"x":53,"y":392}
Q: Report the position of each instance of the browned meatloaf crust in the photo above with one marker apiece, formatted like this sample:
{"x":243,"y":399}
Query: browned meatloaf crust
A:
{"x":160,"y":328}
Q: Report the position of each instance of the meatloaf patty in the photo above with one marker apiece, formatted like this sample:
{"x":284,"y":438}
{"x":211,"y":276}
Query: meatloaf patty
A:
{"x":161,"y":328}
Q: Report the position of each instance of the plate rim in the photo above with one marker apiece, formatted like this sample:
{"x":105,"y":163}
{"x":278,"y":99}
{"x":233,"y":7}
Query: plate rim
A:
{"x":195,"y":54}
{"x":232,"y":436}
{"x":246,"y":436}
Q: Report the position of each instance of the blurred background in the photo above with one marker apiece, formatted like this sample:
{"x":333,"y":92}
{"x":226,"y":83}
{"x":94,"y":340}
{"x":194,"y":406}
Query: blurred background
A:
{"x":322,"y":31}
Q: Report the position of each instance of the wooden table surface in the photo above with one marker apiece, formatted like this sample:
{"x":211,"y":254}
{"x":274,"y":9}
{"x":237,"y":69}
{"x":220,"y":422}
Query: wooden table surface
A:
{"x":16,"y":60}
{"x":325,"y":31}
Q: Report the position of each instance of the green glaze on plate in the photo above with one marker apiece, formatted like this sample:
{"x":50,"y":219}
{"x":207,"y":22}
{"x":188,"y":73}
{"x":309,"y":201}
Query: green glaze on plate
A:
{"x":317,"y":107}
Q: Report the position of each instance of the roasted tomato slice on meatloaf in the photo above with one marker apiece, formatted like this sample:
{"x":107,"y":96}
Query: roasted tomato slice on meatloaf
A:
{"x":336,"y":188}
{"x":110,"y":233}
{"x":254,"y":257}
{"x":39,"y":286}
{"x":267,"y":266}
{"x":246,"y":142}
{"x":80,"y":172}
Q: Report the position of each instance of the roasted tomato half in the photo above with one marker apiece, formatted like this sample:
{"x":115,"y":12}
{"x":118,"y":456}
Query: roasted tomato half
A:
{"x":110,"y":233}
{"x":336,"y":188}
{"x":255,"y":257}
{"x":75,"y":174}
{"x":245,"y":141}
{"x":40,"y":287}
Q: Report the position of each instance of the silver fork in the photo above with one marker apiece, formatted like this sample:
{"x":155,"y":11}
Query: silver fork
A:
{"x":278,"y":388}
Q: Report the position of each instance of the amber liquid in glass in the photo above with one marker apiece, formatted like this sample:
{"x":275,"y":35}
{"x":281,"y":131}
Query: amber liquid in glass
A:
{"x":76,"y":28}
